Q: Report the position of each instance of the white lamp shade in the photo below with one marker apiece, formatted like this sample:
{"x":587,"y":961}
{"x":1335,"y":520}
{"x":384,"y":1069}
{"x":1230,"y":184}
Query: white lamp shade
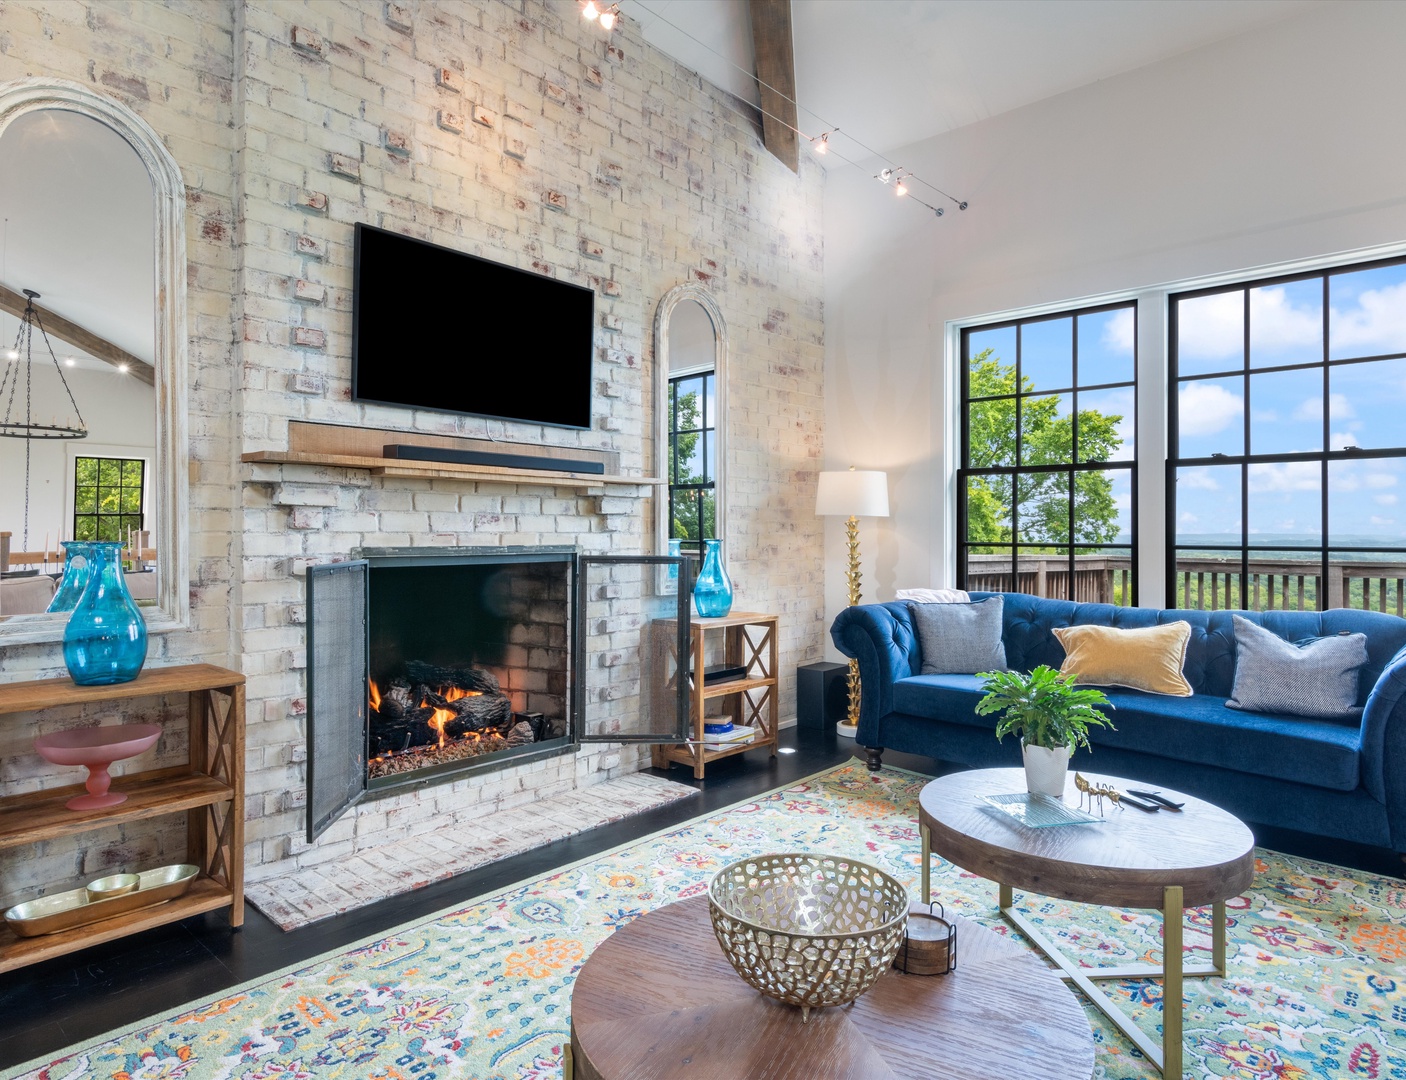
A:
{"x":853,"y":494}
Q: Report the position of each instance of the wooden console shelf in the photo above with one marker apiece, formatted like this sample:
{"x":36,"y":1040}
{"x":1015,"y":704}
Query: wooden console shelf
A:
{"x":208,"y":789}
{"x":749,"y":641}
{"x":344,"y":447}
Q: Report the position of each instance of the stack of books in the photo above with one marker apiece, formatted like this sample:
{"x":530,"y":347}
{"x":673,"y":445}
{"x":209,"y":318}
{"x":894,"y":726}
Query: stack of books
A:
{"x":725,"y":740}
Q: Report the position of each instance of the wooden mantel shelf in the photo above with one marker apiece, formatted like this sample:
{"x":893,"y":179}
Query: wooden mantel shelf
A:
{"x":335,"y":446}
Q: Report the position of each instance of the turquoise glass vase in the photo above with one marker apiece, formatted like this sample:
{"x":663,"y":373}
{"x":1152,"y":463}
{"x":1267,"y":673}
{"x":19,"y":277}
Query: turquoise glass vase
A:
{"x":712,"y":592}
{"x":105,"y":639}
{"x":76,"y":564}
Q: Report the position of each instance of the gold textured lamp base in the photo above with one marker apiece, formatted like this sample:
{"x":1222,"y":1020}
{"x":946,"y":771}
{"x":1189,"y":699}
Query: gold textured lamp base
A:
{"x":849,"y":726}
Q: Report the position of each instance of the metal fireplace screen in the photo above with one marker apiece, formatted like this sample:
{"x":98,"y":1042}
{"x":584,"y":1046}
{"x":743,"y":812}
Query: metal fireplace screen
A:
{"x":337,"y":666}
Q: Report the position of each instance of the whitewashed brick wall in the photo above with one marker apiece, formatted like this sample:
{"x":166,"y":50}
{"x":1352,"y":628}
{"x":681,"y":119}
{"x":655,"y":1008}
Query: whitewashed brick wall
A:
{"x":514,"y":131}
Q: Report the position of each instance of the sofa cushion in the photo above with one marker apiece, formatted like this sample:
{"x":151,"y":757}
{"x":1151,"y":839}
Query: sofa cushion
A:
{"x":1142,"y":658}
{"x":1210,"y":655}
{"x":1323,"y":753}
{"x":1314,"y":678}
{"x":960,"y":637}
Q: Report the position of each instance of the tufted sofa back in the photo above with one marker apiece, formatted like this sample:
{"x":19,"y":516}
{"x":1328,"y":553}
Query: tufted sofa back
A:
{"x":1210,"y":655}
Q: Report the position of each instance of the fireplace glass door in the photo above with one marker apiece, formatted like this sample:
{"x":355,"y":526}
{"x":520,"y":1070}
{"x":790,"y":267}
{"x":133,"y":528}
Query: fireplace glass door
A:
{"x":633,"y":625}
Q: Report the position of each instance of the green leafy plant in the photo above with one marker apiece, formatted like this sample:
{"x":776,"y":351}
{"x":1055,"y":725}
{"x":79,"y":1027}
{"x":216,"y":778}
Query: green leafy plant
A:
{"x":1043,"y":708}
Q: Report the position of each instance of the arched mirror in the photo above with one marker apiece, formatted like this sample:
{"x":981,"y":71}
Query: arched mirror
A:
{"x":92,"y":352}
{"x":690,"y":351}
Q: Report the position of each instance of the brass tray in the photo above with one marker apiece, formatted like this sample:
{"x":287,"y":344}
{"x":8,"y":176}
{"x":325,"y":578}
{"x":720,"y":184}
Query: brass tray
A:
{"x":65,"y":910}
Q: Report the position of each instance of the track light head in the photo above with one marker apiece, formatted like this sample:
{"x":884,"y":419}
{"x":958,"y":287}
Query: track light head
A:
{"x":589,"y":11}
{"x":608,"y":17}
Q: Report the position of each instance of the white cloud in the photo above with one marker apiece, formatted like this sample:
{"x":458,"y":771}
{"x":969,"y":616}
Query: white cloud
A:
{"x":1287,"y":477}
{"x":1118,"y":332}
{"x":1205,"y":408}
{"x":1376,"y":325}
{"x":1188,"y":518}
{"x":1199,"y":480}
{"x":1339,"y":408}
{"x":1384,"y":500}
{"x":1380,"y":480}
{"x":1276,"y":325}
{"x":1211,"y":327}
{"x":1338,"y":439}
{"x":1375,"y":520}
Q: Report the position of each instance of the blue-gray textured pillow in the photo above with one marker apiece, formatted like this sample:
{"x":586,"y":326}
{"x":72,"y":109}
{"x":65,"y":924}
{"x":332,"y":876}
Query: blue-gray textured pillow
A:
{"x":1317,"y":678}
{"x":960,"y":639}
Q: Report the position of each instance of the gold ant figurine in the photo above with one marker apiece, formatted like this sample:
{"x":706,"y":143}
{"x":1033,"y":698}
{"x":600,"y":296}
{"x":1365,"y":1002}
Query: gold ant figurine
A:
{"x":1096,"y":791}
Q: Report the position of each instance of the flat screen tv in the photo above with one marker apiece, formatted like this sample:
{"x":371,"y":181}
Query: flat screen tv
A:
{"x":433,"y":328}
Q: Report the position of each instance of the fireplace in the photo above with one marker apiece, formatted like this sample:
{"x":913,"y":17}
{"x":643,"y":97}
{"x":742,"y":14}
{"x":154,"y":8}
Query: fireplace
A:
{"x":426,"y":665}
{"x":470,"y":656}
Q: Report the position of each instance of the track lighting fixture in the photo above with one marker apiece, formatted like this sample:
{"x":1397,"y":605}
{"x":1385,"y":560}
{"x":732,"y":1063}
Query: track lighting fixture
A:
{"x":591,"y":11}
{"x":901,"y":179}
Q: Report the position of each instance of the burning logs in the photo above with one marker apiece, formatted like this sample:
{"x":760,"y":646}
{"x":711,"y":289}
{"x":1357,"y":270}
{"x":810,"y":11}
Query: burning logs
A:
{"x":432,"y":714}
{"x":472,"y":712}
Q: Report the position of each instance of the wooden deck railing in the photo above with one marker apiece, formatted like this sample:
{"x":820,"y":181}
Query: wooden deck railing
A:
{"x":1206,"y":584}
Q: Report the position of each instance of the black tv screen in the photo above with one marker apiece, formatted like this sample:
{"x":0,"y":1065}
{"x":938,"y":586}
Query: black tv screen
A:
{"x":437,"y":329}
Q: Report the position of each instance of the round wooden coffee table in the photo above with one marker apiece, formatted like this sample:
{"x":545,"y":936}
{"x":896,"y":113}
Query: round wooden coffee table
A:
{"x":658,"y":1000}
{"x":1166,"y":861}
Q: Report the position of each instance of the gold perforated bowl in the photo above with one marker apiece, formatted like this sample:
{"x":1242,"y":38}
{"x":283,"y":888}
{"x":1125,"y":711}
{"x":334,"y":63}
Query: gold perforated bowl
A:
{"x":809,"y":930}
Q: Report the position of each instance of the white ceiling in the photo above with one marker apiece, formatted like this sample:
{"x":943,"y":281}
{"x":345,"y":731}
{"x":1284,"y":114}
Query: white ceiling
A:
{"x":895,"y":72}
{"x":76,"y":227}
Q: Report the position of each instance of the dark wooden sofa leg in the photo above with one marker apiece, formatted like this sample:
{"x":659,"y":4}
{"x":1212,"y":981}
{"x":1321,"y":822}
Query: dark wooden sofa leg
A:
{"x":874,"y":758}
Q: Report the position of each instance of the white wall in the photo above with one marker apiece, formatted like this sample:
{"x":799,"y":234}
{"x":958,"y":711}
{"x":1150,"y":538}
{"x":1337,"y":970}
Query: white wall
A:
{"x":1283,"y":144}
{"x":121,"y":416}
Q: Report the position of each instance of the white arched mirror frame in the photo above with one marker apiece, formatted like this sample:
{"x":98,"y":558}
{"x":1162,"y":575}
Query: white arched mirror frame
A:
{"x":172,"y":610}
{"x":704,"y":299}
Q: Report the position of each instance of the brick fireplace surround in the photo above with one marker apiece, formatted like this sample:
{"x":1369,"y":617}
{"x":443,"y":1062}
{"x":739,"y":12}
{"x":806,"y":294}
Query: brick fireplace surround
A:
{"x":514,"y":131}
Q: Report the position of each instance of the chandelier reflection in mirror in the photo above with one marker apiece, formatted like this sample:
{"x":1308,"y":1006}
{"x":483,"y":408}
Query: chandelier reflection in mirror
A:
{"x":33,"y":401}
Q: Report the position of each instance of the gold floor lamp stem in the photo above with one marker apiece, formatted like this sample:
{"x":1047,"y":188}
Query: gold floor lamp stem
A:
{"x":852,"y":577}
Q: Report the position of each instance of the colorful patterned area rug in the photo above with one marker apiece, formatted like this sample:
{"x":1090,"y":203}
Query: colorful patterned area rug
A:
{"x":1316,"y":985}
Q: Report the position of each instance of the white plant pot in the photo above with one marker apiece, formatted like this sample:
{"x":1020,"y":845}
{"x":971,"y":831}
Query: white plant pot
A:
{"x":1046,"y":769}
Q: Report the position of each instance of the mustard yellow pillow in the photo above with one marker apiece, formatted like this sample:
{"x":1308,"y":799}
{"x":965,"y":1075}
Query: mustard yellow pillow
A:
{"x":1147,"y":658}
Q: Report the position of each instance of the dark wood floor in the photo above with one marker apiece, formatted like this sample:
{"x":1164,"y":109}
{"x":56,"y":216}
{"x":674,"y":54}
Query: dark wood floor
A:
{"x":52,"y":1005}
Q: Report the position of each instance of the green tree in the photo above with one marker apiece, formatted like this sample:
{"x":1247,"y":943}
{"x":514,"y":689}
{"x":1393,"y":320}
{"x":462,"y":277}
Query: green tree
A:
{"x":684,"y":469}
{"x":1047,"y":439}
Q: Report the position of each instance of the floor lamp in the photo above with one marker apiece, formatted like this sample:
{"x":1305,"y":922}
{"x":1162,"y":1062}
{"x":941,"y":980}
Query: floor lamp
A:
{"x":852,"y":495}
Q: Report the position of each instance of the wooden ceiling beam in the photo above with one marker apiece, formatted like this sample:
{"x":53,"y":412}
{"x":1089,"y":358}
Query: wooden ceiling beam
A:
{"x":71,"y":333}
{"x":776,"y":69}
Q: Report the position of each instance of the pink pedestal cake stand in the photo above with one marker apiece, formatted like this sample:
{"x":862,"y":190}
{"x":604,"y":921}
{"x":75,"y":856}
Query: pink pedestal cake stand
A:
{"x":97,"y":748}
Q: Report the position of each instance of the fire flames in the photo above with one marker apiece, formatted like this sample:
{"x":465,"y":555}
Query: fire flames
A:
{"x":443,"y":716}
{"x":440,"y":717}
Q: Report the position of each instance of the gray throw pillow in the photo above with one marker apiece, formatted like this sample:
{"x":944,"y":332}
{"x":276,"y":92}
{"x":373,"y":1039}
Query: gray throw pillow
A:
{"x":960,"y":639}
{"x":1317,"y":678}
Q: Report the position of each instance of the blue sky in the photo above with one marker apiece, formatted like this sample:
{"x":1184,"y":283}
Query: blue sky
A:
{"x":1366,"y":317}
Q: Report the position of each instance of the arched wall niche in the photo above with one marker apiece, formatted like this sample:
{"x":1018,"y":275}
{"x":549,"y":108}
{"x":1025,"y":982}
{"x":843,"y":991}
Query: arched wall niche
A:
{"x":171,"y":483}
{"x":663,"y":354}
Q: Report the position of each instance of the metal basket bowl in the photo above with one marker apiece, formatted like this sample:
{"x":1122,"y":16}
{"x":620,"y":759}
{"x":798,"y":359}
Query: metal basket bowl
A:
{"x":809,"y":930}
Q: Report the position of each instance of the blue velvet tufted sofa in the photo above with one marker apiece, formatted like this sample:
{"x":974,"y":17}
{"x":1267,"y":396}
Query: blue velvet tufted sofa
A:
{"x":1342,"y":779}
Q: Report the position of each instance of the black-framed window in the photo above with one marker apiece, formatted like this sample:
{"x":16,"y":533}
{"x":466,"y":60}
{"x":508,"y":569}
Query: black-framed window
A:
{"x":107,"y":497}
{"x":692,"y":459}
{"x":1048,"y":478}
{"x":1286,"y":479}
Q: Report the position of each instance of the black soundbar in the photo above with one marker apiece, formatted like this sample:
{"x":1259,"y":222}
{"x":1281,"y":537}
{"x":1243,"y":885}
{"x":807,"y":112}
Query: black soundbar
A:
{"x":406,"y":452}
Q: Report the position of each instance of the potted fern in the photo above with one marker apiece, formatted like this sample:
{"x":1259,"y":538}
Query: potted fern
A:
{"x":1050,"y":716}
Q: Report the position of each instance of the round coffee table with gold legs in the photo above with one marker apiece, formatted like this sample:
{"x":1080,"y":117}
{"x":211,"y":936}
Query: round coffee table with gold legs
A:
{"x":1167,"y":861}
